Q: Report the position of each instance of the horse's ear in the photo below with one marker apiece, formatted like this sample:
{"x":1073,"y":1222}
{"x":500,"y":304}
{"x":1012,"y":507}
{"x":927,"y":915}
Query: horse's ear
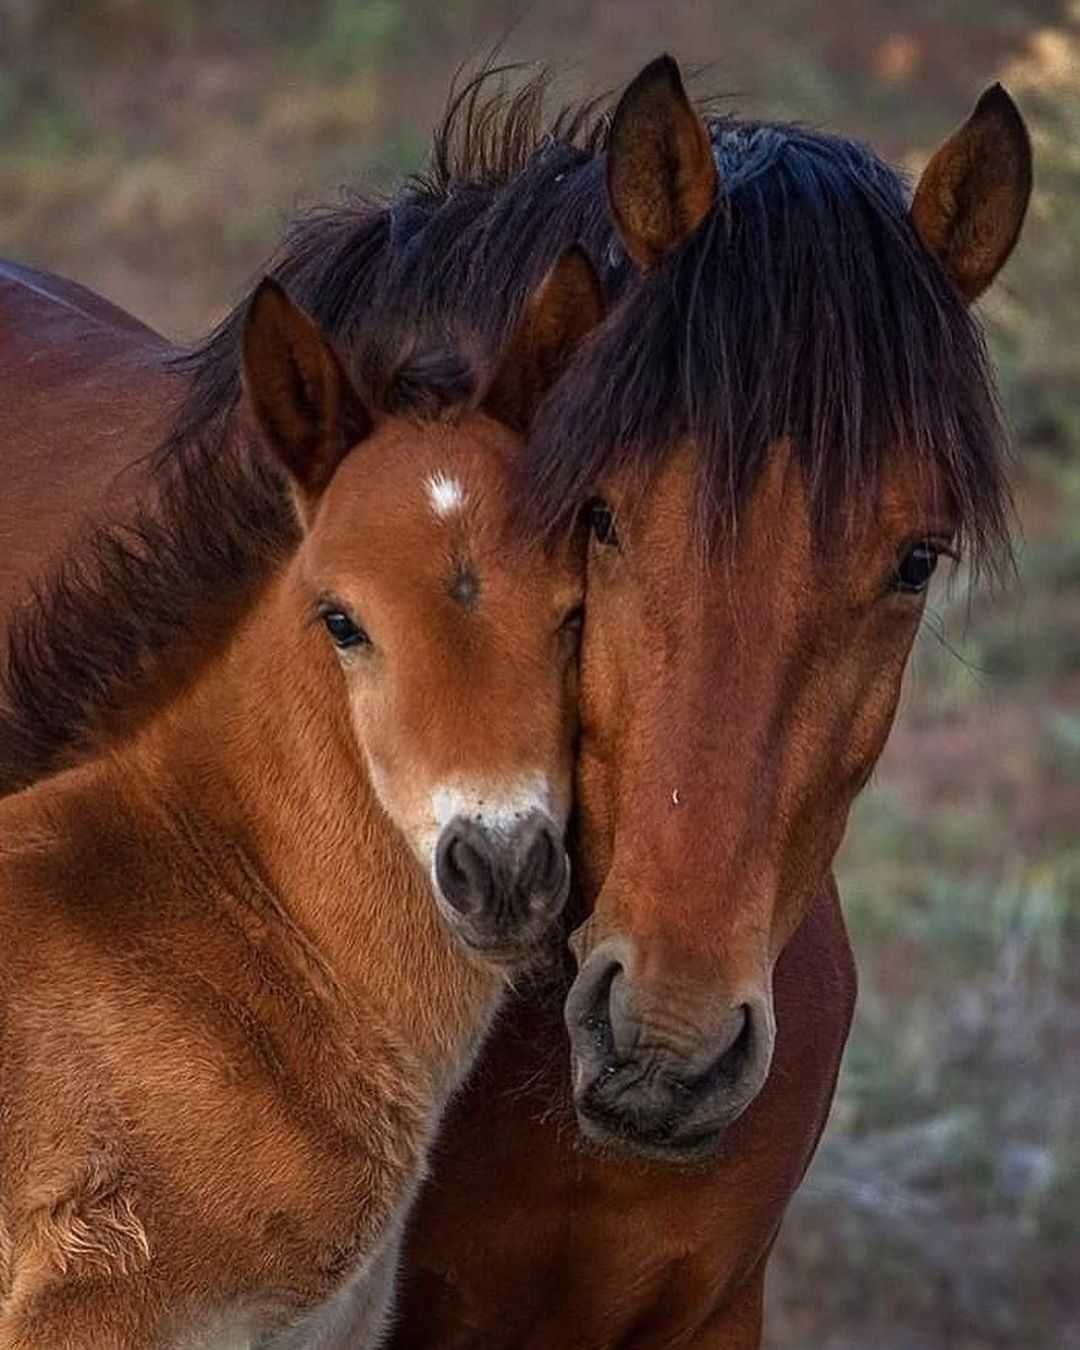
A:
{"x":304,"y":401}
{"x":562,"y":310}
{"x":971,"y":200}
{"x":661,"y":178}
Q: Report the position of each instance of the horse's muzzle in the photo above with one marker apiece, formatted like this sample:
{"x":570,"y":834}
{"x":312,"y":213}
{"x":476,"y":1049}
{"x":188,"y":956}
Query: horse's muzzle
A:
{"x":655,"y":1081}
{"x":500,"y":888}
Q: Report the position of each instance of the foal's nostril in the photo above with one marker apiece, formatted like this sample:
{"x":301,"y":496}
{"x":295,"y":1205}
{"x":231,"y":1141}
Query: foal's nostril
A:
{"x":465,"y":875}
{"x":543,"y":873}
{"x":502,"y":882}
{"x":539,"y":863}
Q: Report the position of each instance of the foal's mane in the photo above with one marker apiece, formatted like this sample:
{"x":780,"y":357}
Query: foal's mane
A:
{"x":803,"y":307}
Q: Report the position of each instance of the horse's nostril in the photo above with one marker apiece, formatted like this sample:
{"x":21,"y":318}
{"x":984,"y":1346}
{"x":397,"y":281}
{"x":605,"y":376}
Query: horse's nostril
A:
{"x":588,"y":1011}
{"x":463,"y":872}
{"x":503,"y":883}
{"x":544,"y":869}
{"x":734,"y":1031}
{"x":734,"y":1047}
{"x":636,"y":1082}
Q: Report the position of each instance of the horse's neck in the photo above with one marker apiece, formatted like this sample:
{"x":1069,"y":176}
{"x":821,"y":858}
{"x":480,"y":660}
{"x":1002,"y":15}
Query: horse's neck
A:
{"x":257,"y":773}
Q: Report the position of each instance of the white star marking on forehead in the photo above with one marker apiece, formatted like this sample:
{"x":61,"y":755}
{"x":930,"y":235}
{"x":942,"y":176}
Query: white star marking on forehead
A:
{"x":446,"y":495}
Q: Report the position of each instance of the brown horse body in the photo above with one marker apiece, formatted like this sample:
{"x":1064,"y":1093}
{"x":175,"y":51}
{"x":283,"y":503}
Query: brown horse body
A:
{"x":231,"y":1013}
{"x":209,"y":1119}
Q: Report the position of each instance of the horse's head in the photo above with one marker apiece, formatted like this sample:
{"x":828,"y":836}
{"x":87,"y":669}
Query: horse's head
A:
{"x":455,"y":639}
{"x":755,"y":585}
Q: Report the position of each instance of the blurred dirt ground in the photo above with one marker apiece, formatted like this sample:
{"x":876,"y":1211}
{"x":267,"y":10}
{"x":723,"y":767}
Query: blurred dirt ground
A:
{"x":152,"y":150}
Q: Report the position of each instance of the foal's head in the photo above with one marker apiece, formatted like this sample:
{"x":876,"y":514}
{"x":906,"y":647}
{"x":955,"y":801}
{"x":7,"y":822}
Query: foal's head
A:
{"x":787,"y":425}
{"x":454,"y":640}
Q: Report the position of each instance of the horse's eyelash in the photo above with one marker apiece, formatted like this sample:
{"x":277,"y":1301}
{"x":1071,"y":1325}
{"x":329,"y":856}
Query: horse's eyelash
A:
{"x":328,"y":604}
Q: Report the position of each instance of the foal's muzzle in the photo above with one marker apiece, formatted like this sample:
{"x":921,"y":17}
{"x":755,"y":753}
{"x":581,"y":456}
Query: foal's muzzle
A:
{"x":500,"y":887}
{"x":662,"y":1078}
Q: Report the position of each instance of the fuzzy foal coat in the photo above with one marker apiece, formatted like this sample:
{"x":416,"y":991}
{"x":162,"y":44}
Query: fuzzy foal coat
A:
{"x":213,"y":1118}
{"x":209,"y":1128}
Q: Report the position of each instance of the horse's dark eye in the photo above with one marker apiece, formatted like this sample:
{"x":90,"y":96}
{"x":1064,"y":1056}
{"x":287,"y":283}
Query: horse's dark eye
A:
{"x":343,"y":632}
{"x":915,"y":569}
{"x":602,"y":523}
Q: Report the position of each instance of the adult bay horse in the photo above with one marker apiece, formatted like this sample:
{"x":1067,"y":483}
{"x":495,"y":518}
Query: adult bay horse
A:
{"x":786,"y":423}
{"x":230,"y":1012}
{"x":766,"y":345}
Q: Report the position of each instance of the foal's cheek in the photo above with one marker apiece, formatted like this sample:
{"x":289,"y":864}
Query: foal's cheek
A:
{"x":382,"y":783}
{"x":371,"y":716}
{"x":403,"y":795}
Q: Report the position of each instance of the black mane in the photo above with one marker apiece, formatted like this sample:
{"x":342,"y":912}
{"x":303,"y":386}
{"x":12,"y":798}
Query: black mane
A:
{"x":804,"y":307}
{"x":459,"y":246}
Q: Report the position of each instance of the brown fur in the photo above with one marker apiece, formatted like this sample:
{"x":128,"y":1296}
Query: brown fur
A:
{"x":973,"y":195}
{"x":774,"y":672}
{"x":231,"y":1015}
{"x":577,"y":1247}
{"x":77,"y":362}
{"x":493,"y":1265}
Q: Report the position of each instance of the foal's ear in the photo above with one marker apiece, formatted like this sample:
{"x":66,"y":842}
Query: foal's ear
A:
{"x":304,"y":401}
{"x":970,"y":202}
{"x":661,"y":178}
{"x":560,"y":313}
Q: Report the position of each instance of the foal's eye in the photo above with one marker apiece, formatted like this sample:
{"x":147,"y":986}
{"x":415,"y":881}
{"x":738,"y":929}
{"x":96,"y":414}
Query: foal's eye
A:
{"x":343,"y":632}
{"x":602,"y":523}
{"x":915,"y":569}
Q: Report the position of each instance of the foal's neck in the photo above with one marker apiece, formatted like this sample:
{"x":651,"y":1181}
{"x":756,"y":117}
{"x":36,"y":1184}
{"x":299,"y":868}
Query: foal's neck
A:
{"x":259,"y":766}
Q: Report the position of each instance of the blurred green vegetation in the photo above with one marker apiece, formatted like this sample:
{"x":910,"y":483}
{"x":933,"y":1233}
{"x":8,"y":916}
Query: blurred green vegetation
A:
{"x":152,"y":150}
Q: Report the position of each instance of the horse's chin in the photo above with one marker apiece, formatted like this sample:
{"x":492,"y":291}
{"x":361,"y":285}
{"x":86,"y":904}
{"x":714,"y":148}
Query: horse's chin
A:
{"x":516,"y":962}
{"x":604,"y":1139}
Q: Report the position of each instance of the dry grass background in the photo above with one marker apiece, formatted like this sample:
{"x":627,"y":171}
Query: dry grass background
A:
{"x":152,"y":150}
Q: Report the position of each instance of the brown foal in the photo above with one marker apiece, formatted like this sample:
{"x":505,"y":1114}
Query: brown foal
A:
{"x":232,"y":1011}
